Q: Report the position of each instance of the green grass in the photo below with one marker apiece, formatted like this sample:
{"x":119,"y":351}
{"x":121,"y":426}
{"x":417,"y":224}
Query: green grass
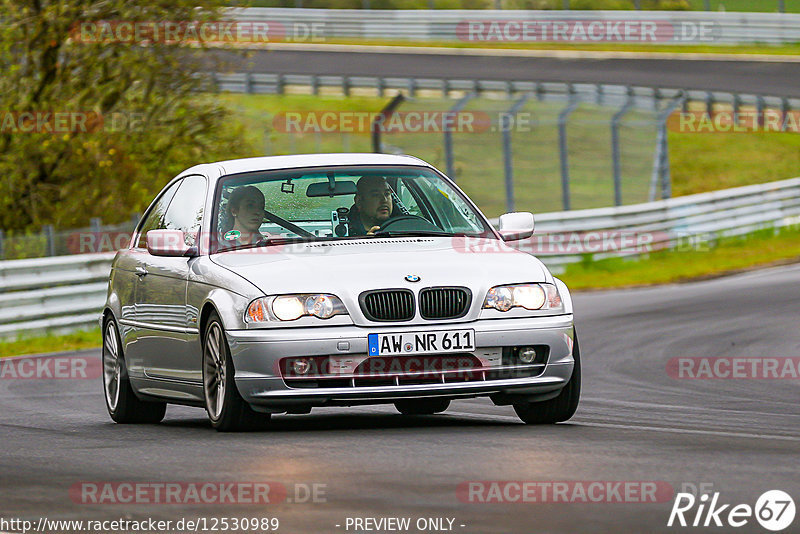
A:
{"x":83,"y":339}
{"x":783,"y":49}
{"x":706,"y":162}
{"x":728,"y":256}
{"x":762,"y":6}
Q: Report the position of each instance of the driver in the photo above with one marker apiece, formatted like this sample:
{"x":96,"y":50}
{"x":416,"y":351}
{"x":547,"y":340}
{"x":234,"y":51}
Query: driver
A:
{"x":244,"y":214}
{"x":373,"y":205}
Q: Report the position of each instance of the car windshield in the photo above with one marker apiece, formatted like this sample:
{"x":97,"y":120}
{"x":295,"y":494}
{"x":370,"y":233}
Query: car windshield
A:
{"x":316,"y":204}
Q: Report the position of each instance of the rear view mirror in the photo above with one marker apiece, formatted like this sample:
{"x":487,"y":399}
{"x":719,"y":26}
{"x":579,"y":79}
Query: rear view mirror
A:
{"x":516,"y":226}
{"x":323,"y":189}
{"x":168,"y":243}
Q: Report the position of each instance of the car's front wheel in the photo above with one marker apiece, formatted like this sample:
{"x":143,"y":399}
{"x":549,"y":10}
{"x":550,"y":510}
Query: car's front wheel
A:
{"x":422,"y":406}
{"x":226,"y":409}
{"x":122,"y":403}
{"x":560,"y":408}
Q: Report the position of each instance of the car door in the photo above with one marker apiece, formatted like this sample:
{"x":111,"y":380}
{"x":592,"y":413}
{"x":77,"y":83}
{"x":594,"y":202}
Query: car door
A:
{"x":130,"y":268}
{"x":161,"y":311}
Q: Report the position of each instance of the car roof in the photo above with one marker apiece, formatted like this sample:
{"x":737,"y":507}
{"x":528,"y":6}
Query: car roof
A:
{"x":236,"y":166}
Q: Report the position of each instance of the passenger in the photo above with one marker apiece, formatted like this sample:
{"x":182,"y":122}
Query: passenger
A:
{"x":243,"y":216}
{"x":373,"y":205}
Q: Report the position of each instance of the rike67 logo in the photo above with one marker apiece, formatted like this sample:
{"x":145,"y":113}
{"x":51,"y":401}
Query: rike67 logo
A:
{"x":774,"y":510}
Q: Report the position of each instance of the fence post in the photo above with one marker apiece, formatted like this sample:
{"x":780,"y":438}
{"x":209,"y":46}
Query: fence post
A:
{"x":785,"y":109}
{"x":661,"y":169}
{"x":638,"y":4}
{"x":381,"y":87}
{"x":563,"y":116}
{"x":781,"y":6}
{"x":279,"y":84}
{"x":346,"y":85}
{"x":377,"y":124}
{"x":95,"y":223}
{"x":706,"y":5}
{"x":248,"y":83}
{"x":760,"y":104}
{"x":412,"y":87}
{"x":566,"y":4}
{"x":508,"y":164}
{"x":615,"y":152}
{"x":315,"y":85}
{"x":2,"y":243}
{"x":448,"y":136}
{"x":49,"y":235}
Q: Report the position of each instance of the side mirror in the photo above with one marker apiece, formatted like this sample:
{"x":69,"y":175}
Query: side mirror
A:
{"x":169,"y":243}
{"x":516,"y":226}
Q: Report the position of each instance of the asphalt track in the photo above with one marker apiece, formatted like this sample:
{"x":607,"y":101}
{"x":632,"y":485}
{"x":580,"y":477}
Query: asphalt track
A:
{"x":635,"y":423}
{"x":748,"y":77}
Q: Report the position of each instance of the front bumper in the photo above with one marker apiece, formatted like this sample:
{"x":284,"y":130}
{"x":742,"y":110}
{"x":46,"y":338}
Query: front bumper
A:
{"x":256,"y":355}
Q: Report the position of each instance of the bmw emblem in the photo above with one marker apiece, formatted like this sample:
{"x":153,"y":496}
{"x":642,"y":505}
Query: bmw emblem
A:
{"x":412,"y":278}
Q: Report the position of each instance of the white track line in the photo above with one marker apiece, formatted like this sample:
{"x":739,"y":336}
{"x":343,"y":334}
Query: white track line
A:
{"x":513,"y":52}
{"x":508,"y":418}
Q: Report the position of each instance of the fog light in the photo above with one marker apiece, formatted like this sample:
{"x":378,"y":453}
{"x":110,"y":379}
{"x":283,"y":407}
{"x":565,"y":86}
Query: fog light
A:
{"x":301,"y":366}
{"x":526,"y":354}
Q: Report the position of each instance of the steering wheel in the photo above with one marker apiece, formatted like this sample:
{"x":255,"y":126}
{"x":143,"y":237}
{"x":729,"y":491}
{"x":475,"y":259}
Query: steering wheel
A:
{"x":408,"y":223}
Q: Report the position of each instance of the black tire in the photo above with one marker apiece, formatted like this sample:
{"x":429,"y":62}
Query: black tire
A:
{"x":422,"y":406}
{"x":560,"y":408}
{"x":234,"y":414}
{"x":123,"y":405}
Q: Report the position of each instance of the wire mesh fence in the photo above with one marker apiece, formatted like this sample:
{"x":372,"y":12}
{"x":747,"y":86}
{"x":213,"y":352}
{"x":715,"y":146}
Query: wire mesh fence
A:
{"x":524,"y":146}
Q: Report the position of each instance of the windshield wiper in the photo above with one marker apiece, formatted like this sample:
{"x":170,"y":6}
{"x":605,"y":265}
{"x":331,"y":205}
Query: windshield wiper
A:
{"x":271,"y":241}
{"x":412,"y":233}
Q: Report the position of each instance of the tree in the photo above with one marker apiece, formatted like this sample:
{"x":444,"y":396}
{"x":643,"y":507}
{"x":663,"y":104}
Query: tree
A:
{"x":95,"y":119}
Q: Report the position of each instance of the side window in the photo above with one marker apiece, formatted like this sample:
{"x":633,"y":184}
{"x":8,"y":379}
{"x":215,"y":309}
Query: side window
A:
{"x":155,"y":217}
{"x":185,"y":212}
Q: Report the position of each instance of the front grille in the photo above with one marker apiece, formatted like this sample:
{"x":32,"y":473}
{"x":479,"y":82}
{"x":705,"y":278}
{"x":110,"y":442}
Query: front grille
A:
{"x":444,"y":302}
{"x":388,"y":305}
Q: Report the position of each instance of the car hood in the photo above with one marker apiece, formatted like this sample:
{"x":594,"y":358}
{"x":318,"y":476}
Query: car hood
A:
{"x":349,"y":267}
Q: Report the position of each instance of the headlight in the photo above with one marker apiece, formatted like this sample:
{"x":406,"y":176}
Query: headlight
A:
{"x":288,"y":308}
{"x":292,"y":307}
{"x":528,"y":296}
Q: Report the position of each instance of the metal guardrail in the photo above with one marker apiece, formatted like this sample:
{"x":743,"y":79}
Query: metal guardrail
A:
{"x":67,"y":292}
{"x":56,"y":294}
{"x":670,"y":27}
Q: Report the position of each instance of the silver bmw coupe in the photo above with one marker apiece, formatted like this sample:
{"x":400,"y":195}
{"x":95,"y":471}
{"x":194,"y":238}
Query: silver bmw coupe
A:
{"x":275,"y":285}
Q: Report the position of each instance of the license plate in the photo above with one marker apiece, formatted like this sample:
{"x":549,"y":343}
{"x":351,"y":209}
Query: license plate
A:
{"x":438,"y":342}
